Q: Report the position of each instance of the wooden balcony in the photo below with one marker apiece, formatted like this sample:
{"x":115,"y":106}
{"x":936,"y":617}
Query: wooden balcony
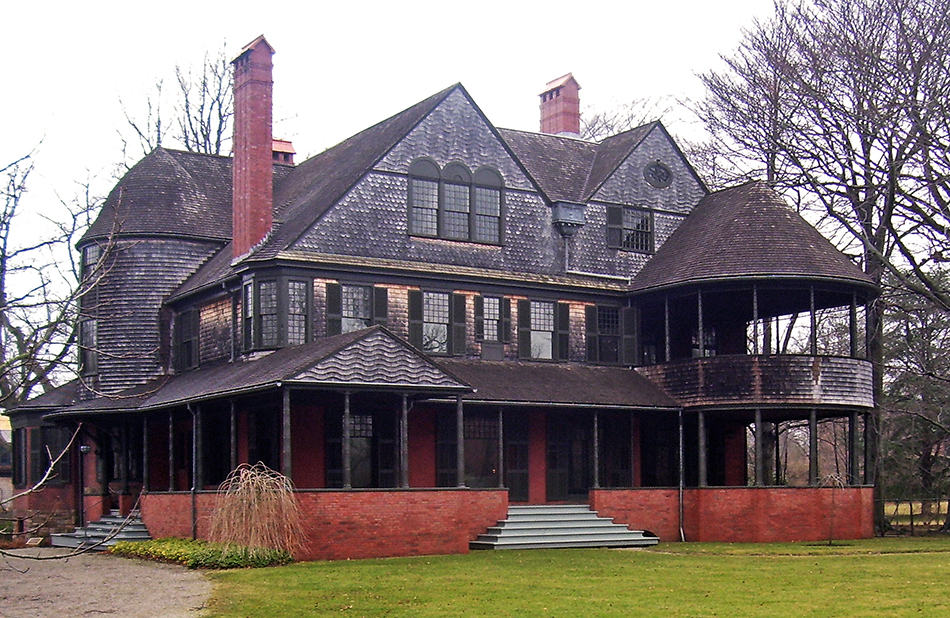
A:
{"x":746,"y":381}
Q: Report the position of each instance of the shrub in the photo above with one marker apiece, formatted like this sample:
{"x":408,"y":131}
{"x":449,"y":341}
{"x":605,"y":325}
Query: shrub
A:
{"x":202,"y":554}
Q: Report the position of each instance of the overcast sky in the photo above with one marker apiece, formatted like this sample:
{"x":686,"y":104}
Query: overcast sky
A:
{"x":339,"y":67}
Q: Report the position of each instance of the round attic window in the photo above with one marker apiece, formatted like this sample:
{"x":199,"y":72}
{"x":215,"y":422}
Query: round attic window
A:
{"x":658,"y":175}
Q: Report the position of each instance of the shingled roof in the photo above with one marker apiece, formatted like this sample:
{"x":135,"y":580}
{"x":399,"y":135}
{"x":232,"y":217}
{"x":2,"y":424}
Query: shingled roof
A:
{"x":527,"y":383}
{"x":170,"y":192}
{"x":745,"y":231}
{"x":369,"y":358}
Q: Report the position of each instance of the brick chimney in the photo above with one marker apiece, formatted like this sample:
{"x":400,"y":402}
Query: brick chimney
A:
{"x":561,"y":107}
{"x":252,"y":199}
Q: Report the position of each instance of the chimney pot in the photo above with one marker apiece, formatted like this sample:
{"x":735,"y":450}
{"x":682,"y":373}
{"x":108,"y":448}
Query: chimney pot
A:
{"x":561,"y":107}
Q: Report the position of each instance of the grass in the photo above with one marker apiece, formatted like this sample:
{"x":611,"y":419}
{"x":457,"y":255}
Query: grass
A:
{"x":874,"y":576}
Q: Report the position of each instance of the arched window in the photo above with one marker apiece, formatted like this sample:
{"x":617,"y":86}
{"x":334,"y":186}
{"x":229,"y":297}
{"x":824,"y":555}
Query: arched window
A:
{"x":452,"y":203}
{"x":424,"y":198}
{"x":487,"y":212}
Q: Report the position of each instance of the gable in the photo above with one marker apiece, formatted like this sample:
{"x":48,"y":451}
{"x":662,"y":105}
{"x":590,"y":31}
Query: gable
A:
{"x":378,"y":359}
{"x":627,"y":184}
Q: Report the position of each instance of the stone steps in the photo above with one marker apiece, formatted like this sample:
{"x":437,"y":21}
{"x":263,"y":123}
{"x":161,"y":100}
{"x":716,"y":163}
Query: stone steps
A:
{"x":559,"y":526}
{"x":95,"y":532}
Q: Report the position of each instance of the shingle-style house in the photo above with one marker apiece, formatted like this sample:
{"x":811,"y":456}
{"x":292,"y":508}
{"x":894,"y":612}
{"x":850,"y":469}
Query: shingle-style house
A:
{"x":438,"y":319}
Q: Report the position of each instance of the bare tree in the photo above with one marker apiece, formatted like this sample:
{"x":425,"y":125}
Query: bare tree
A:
{"x":39,"y":286}
{"x":203,"y":107}
{"x":596,"y":125}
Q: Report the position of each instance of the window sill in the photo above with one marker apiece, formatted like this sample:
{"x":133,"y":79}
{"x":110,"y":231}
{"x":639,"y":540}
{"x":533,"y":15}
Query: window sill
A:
{"x":479,"y":243}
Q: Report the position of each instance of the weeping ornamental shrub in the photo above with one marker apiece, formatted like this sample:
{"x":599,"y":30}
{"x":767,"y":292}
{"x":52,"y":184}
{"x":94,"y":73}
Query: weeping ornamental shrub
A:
{"x":256,"y":509}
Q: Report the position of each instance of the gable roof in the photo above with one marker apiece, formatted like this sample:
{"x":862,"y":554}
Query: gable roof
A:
{"x":369,"y":358}
{"x":558,"y":165}
{"x":740,"y":232}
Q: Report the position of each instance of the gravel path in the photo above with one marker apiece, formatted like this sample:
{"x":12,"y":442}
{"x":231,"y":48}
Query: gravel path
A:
{"x":98,"y":584}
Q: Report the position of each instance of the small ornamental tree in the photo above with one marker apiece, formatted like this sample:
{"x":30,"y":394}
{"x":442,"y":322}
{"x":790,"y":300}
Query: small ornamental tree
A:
{"x":256,"y":508}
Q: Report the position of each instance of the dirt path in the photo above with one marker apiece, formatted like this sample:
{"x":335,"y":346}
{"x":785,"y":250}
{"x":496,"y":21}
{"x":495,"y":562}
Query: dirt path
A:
{"x":98,"y":584}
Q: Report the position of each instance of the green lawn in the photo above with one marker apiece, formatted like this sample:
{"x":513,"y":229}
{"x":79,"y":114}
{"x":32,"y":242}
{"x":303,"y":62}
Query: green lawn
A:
{"x":870,"y":577}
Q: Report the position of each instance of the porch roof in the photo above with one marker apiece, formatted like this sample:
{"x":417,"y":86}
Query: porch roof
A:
{"x":557,"y":384}
{"x":372,"y":358}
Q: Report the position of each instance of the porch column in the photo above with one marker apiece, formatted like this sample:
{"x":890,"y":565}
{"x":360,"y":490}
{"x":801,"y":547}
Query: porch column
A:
{"x":853,"y":324}
{"x":501,"y":447}
{"x":596,"y":449}
{"x":868,"y":480}
{"x":666,"y":328}
{"x":124,"y":459}
{"x":233,"y":423}
{"x":755,"y":319}
{"x":404,"y":443}
{"x":171,"y":450}
{"x":197,"y":450}
{"x":699,"y":323}
{"x":759,"y":464}
{"x":778,"y":452}
{"x":347,"y":479}
{"x":853,"y":448}
{"x":814,"y":321}
{"x":701,"y":438}
{"x":813,"y":448}
{"x":460,"y":441}
{"x":286,"y":450}
{"x":144,"y":453}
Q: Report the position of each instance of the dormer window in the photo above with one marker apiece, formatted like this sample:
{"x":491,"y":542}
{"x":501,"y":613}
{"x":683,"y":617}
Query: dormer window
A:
{"x":454,"y":204}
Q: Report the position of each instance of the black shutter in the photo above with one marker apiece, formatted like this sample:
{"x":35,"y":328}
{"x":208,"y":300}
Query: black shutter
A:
{"x":457,"y":325}
{"x":380,"y":305}
{"x":629,"y":325}
{"x":177,"y":337}
{"x":590,"y":315}
{"x":415,"y":318}
{"x":524,"y":329}
{"x":334,"y":309}
{"x":479,"y":318}
{"x":504,"y":324}
{"x":614,"y":226}
{"x":562,"y":326}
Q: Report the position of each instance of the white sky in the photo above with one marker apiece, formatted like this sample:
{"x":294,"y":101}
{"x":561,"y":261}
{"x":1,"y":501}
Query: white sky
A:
{"x":339,"y":67}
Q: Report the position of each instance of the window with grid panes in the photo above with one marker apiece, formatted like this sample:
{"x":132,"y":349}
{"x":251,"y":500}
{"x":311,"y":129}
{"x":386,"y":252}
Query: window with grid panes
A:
{"x":88,"y":352}
{"x":424,"y":213}
{"x":247,"y":307}
{"x":487,"y":214}
{"x":455,"y":215}
{"x":267,"y":313}
{"x":491,"y":317}
{"x":637,"y":231}
{"x":435,"y":322}
{"x":357,"y":310}
{"x":455,"y":206}
{"x":297,"y":304}
{"x":608,"y":330}
{"x":542,"y":329}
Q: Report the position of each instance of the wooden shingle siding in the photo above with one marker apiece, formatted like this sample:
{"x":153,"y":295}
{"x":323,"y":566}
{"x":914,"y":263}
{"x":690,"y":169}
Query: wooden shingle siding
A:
{"x":748,"y":381}
{"x":131,"y":292}
{"x":214,"y":332}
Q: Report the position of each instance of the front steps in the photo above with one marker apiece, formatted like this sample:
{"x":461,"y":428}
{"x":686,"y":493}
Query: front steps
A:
{"x":94,"y":532}
{"x":559,"y":526}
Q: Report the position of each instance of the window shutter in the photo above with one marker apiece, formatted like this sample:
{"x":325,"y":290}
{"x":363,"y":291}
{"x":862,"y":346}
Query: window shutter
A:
{"x":479,"y":318}
{"x":562,"y":328}
{"x":614,"y":226}
{"x":334,"y":309}
{"x":524,"y":329}
{"x":380,"y":305}
{"x":629,"y":325}
{"x":457,"y":325}
{"x":504,"y":324}
{"x":415,"y":318}
{"x":177,"y":332}
{"x":590,"y":316}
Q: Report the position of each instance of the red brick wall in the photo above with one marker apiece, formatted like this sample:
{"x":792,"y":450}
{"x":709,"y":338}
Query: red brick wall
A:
{"x":358,"y":524}
{"x":744,"y":514}
{"x":735,"y":447}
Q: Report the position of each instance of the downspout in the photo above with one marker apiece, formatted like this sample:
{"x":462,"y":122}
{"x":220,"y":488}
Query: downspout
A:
{"x":681,"y":465}
{"x":194,"y":471}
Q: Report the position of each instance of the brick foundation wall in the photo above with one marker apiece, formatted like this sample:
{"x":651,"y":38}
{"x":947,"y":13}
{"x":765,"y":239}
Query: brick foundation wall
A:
{"x":358,"y":524}
{"x":744,"y":514}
